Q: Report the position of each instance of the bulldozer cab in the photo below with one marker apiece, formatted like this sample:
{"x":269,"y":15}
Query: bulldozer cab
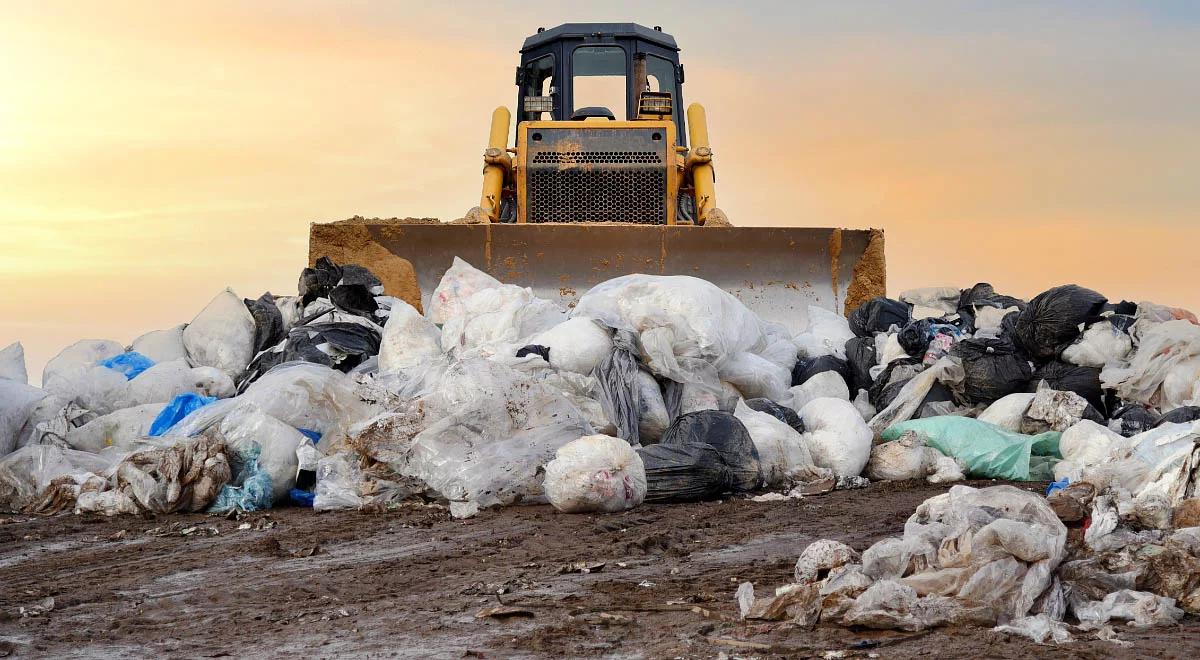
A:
{"x":581,"y":71}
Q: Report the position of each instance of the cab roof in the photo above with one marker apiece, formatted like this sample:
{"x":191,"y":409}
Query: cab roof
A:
{"x":580,"y":30}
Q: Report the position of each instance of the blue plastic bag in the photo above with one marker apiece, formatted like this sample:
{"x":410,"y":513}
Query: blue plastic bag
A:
{"x":131,"y":364}
{"x":302,"y":497}
{"x":256,"y":490}
{"x":1061,"y":484}
{"x":178,"y":408}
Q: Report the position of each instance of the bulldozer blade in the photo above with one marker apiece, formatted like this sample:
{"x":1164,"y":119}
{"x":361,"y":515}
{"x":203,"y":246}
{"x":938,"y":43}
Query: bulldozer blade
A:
{"x":775,"y":271}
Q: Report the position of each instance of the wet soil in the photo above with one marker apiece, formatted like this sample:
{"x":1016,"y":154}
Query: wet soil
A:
{"x":413,"y":583}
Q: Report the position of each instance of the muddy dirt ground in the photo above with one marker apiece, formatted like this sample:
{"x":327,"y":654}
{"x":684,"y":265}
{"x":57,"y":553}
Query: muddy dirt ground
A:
{"x":412,"y":583}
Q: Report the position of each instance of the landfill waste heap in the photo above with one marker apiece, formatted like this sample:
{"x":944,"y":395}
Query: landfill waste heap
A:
{"x":668,"y":389}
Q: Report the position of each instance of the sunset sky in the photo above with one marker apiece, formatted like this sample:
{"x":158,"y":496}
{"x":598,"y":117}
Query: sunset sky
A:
{"x":152,"y":153}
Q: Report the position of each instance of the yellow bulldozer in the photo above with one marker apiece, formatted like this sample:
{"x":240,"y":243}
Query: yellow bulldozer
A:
{"x":609,"y":176}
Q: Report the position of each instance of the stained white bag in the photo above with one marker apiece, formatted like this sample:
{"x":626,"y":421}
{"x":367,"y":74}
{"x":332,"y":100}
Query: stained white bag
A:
{"x":782,"y":451}
{"x":161,"y":345}
{"x":755,"y":376}
{"x":461,"y":281}
{"x":165,"y":380}
{"x":596,"y":473}
{"x":825,"y":385}
{"x":12,"y":363}
{"x":121,"y":429}
{"x":836,"y":435}
{"x":221,"y":335}
{"x":577,"y":344}
{"x":1007,"y":412}
{"x":1101,"y":344}
{"x":903,"y":459}
{"x":17,"y":401}
{"x":827,"y":334}
{"x":498,"y":318}
{"x":1087,"y":443}
{"x":409,"y":340}
{"x":653,"y":418}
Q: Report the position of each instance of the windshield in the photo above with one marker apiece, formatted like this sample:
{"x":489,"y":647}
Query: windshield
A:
{"x":598,"y":77}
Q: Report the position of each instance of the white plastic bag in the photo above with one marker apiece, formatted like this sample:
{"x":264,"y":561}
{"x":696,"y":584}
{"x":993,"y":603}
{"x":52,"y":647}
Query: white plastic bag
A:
{"x":1181,"y":386}
{"x":161,"y":345}
{"x":277,"y":443}
{"x":221,"y":335}
{"x":892,"y":350}
{"x":25,"y":473}
{"x":755,"y":377}
{"x":836,"y":436}
{"x":12,"y":363}
{"x":653,"y":419}
{"x":825,"y":385}
{"x":83,"y":353}
{"x":782,"y":452}
{"x":576,"y":345}
{"x":17,"y":401}
{"x":942,"y":298}
{"x":409,"y":340}
{"x":461,"y":281}
{"x":165,"y":380}
{"x":1007,"y":412}
{"x":75,"y":375}
{"x":121,"y":429}
{"x":339,"y":483}
{"x":1100,"y":345}
{"x":1087,"y":443}
{"x":1161,"y":346}
{"x":827,"y":334}
{"x":596,"y":473}
{"x":498,"y":319}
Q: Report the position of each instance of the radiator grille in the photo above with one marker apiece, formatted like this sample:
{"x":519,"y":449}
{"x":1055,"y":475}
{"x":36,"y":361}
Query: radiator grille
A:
{"x":587,"y":157}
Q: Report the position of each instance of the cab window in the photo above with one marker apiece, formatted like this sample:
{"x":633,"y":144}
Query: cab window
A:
{"x":598,"y":78}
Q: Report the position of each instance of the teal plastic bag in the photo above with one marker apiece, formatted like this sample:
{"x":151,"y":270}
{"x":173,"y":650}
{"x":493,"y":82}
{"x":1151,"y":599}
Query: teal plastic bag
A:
{"x":988,"y":451}
{"x":254,"y":492}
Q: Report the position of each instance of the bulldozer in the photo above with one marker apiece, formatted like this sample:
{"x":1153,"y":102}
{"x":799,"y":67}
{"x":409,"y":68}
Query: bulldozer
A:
{"x":608,"y":175}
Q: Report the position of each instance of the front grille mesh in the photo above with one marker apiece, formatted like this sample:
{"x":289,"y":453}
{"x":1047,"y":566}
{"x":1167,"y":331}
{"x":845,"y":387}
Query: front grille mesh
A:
{"x":589,"y":157}
{"x":598,"y":195}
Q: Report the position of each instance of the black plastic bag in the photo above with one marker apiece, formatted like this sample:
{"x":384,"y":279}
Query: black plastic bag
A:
{"x":1180,"y":415}
{"x":860,"y":355}
{"x":1124,"y":308}
{"x":982,"y":295}
{"x":1052,"y":319}
{"x":808,"y":367}
{"x":898,"y":370}
{"x":1065,"y":377}
{"x":354,"y":299}
{"x":914,"y":337}
{"x":268,"y":321}
{"x":684,"y":472}
{"x":355,"y":275}
{"x":993,"y":368}
{"x":877,"y":315}
{"x":616,"y":376}
{"x":534,"y":349}
{"x":1135,"y":418}
{"x":317,"y":281}
{"x":781,"y":413}
{"x":728,"y":435}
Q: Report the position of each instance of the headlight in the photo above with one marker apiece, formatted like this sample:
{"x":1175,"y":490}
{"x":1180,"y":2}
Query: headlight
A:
{"x":539,"y":104}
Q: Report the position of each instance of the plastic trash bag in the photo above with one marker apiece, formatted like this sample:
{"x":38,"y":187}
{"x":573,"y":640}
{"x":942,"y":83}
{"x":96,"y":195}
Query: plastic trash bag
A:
{"x":755,"y":376}
{"x":1179,"y":416}
{"x":576,"y":345}
{"x":1101,"y":344}
{"x":1132,"y":419}
{"x":165,"y":380}
{"x":944,"y":299}
{"x":277,"y":445}
{"x":505,"y":315}
{"x":1008,"y":412}
{"x":12,"y":363}
{"x":179,"y":407}
{"x":986,"y":451}
{"x":221,"y":335}
{"x":268,"y":321}
{"x":1088,"y":443}
{"x":827,"y":334}
{"x":912,"y":395}
{"x":409,"y":340}
{"x":50,"y":421}
{"x":992,"y":368}
{"x":1054,"y":410}
{"x":860,"y":357}
{"x":783,"y":453}
{"x":652,"y":416}
{"x":877,"y":315}
{"x":339,"y":483}
{"x":836,"y":436}
{"x":1052,"y":319}
{"x":1139,"y":609}
{"x":1084,"y":381}
{"x":725,"y":433}
{"x":1039,"y":628}
{"x":1181,"y":387}
{"x":595,"y":474}
{"x":903,"y":459}
{"x":494,"y":430}
{"x":687,"y":327}
{"x":980,"y":298}
{"x":183,"y":477}
{"x":684,"y":472}
{"x":17,"y":401}
{"x":1160,"y":348}
{"x":779,"y":412}
{"x":824,"y":385}
{"x":76,"y":375}
{"x":461,"y":281}
{"x":891,"y":350}
{"x":161,"y":345}
{"x":121,"y":429}
{"x":27,"y":472}
{"x":618,"y":387}
{"x":806,"y":368}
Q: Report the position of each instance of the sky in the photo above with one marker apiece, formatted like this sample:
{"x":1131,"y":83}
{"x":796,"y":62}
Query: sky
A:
{"x":153,"y":153}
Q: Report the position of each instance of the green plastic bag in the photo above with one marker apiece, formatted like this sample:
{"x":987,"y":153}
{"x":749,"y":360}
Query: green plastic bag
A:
{"x":987,"y":450}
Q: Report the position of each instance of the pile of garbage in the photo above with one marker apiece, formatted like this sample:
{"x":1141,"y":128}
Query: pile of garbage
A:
{"x":652,"y":389}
